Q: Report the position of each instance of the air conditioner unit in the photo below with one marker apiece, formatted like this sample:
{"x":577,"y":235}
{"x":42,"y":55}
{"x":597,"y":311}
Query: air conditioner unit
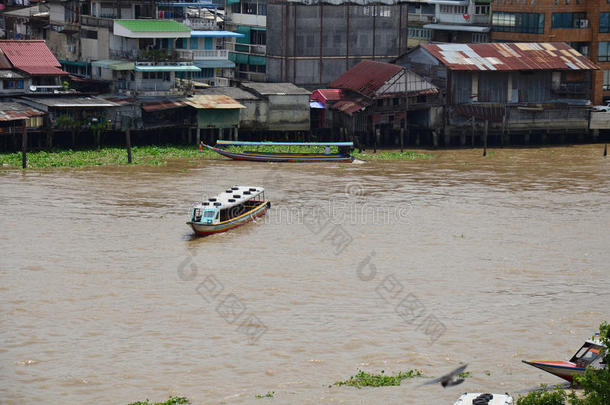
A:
{"x":583,"y":23}
{"x":585,"y":50}
{"x":434,"y":20}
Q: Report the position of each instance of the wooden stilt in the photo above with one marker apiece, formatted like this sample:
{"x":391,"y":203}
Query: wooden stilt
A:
{"x":485,"y":138}
{"x":402,"y":139}
{"x":128,"y":144}
{"x":24,"y":145}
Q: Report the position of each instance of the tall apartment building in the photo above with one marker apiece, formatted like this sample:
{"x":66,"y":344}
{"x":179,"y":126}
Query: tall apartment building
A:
{"x":312,"y":42}
{"x":583,"y":24}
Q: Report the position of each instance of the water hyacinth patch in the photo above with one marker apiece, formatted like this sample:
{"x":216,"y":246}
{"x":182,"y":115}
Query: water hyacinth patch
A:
{"x":364,"y":379}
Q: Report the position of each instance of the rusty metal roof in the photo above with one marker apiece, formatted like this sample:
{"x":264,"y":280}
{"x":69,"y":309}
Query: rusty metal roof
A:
{"x":33,"y":57}
{"x":163,"y":105}
{"x":366,"y":77}
{"x":17,"y":112}
{"x":212,"y":101}
{"x":510,"y":56}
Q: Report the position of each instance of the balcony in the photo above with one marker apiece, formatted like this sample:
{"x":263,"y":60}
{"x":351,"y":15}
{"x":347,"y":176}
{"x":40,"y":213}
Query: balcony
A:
{"x":216,"y":81}
{"x":205,"y":54}
{"x":252,"y":49}
{"x":424,"y":18}
{"x":96,"y":21}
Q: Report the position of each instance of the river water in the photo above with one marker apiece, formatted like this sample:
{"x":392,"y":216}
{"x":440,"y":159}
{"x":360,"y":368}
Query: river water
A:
{"x":106,"y":296}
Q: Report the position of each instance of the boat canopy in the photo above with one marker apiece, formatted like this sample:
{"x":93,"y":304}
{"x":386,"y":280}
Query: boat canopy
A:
{"x":221,"y":142}
{"x":233,"y":196}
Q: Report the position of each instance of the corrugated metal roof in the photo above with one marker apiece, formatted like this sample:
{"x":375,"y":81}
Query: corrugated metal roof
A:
{"x":510,"y":56}
{"x":348,"y":106}
{"x":213,"y":101}
{"x":153,"y":25}
{"x":277,"y":89}
{"x":66,"y":102}
{"x":33,"y":57}
{"x":17,"y":112}
{"x":163,"y":105}
{"x":324,"y":95}
{"x":233,"y":92}
{"x":366,"y":77}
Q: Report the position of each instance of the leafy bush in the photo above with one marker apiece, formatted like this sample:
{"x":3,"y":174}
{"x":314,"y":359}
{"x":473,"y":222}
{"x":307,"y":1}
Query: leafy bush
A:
{"x":543,"y":397}
{"x":596,"y":382}
{"x":170,"y":401}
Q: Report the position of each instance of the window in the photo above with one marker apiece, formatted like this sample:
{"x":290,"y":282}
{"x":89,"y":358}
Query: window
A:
{"x":236,"y":8}
{"x":530,"y":23}
{"x":420,"y":33}
{"x":259,"y":37}
{"x":606,"y":79}
{"x":569,"y":20}
{"x":90,"y":34}
{"x":481,"y":9}
{"x":604,"y":22}
{"x":603,"y":52}
{"x":480,"y":38}
{"x":449,"y":9}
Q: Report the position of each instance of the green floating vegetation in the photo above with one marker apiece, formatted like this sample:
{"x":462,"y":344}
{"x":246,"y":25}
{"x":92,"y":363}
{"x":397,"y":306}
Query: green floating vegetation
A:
{"x":364,"y":379}
{"x":465,"y":374}
{"x":110,"y":156}
{"x":391,"y":155}
{"x":269,"y":394}
{"x":170,"y":401}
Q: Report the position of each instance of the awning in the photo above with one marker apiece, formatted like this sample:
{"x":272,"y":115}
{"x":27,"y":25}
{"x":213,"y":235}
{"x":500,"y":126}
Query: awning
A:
{"x":113,"y":64}
{"x":245,"y":31}
{"x":447,"y":27}
{"x":211,"y":64}
{"x":316,"y":104}
{"x":73,"y":63}
{"x":257,"y":60}
{"x":167,"y":68}
{"x":239,"y":58}
{"x":215,"y":34}
{"x":229,"y":2}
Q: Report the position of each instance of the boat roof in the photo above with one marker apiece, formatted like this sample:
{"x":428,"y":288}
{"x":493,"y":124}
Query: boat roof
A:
{"x":221,"y":142}
{"x":232,"y":197}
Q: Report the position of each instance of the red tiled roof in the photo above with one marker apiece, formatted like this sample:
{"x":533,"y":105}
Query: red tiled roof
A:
{"x":43,"y":70}
{"x":510,"y":56}
{"x":366,"y":77}
{"x":33,"y":57}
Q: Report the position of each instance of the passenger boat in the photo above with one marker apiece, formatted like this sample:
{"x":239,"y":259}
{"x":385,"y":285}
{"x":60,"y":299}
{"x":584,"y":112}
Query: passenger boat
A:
{"x":478,"y":398}
{"x":237,"y":206}
{"x":255,"y":156}
{"x":590,"y":354}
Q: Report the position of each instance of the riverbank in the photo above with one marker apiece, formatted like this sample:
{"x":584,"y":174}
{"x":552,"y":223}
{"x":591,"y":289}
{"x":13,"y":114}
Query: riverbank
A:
{"x":154,"y":156}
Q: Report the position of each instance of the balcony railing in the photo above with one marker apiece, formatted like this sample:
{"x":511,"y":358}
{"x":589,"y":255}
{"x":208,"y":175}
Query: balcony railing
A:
{"x":96,"y":21}
{"x":247,"y":48}
{"x":203,"y":54}
{"x":199,"y":23}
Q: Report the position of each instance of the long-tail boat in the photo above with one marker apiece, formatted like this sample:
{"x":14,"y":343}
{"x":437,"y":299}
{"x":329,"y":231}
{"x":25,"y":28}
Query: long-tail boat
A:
{"x":344,"y":149}
{"x":589,"y":355}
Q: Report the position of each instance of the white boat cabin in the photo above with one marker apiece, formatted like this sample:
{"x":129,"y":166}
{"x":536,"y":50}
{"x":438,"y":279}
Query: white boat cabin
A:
{"x":228,"y":205}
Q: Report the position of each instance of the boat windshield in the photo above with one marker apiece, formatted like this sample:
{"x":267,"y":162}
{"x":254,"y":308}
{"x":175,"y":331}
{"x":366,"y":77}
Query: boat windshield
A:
{"x":587,"y":354}
{"x":209,"y":214}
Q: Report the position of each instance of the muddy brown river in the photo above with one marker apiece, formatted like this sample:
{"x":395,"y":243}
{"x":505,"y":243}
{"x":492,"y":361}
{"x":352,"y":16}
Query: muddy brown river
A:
{"x":107,"y":297}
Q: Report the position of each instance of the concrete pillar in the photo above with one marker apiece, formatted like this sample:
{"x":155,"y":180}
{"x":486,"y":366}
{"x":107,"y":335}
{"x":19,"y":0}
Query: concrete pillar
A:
{"x":472,"y":132}
{"x":595,"y":135}
{"x":402,"y":139}
{"x":447,"y":137}
{"x":475,"y":87}
{"x":50,"y":138}
{"x":545,"y":136}
{"x":235,"y":134}
{"x":527,"y":137}
{"x":434,"y":139}
{"x":198,"y":136}
{"x":463,"y":137}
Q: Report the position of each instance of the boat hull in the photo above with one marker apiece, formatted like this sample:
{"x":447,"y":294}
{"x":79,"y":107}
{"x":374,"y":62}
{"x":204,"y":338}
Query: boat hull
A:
{"x":209,"y":229}
{"x":562,"y":369}
{"x":279,"y":157}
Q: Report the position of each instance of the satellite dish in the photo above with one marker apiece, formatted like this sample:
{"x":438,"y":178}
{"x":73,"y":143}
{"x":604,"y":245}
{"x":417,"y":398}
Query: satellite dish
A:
{"x":32,"y":88}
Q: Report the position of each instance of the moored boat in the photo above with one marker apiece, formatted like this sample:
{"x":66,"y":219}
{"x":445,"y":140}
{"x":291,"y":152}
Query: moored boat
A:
{"x":590,"y":354}
{"x":237,"y":206}
{"x":343,"y":156}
